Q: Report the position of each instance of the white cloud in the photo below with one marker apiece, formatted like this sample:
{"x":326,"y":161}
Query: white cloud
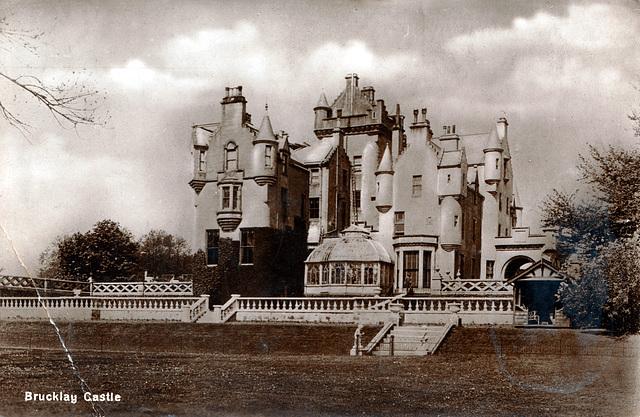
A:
{"x":585,"y":28}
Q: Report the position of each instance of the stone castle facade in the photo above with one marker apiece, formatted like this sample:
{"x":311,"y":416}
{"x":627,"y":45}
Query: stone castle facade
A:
{"x":378,"y":205}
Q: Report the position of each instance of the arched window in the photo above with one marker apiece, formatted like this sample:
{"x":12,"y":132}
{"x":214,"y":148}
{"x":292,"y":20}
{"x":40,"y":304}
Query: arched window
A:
{"x":337,"y":276}
{"x":231,"y":157}
{"x":353,"y":273}
{"x":325,"y":274}
{"x":370,"y":275}
{"x":314,"y":275}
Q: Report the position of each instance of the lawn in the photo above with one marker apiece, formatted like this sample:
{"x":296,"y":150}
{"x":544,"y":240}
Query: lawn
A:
{"x":478,"y":372}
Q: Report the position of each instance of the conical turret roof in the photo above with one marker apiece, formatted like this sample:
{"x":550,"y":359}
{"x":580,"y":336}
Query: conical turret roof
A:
{"x":493,"y":144}
{"x":322,"y":102}
{"x":266,"y":131}
{"x":385,"y":162}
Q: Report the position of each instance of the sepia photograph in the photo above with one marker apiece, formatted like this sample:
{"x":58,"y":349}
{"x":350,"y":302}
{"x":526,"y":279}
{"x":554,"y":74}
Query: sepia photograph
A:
{"x":319,"y":208}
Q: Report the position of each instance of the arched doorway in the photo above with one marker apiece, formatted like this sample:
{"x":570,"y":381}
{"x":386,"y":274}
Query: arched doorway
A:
{"x":516,"y":265}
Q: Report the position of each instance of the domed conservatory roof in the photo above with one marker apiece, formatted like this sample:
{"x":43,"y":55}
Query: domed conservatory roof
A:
{"x":355,"y":245}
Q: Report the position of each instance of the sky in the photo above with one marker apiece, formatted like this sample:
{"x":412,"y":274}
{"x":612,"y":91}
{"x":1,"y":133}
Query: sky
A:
{"x":563,"y":73}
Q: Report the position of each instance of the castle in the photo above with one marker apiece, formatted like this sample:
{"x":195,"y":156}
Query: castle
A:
{"x":379,"y":205}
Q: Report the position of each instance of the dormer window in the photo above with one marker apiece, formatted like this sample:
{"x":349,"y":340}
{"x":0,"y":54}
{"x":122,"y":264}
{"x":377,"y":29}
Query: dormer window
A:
{"x":231,"y":157}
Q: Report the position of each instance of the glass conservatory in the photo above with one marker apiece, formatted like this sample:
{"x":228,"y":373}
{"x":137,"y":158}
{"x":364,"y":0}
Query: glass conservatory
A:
{"x":350,"y":265}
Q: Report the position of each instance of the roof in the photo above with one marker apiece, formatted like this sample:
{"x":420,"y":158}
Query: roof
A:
{"x":355,"y":245}
{"x":317,"y":153}
{"x":266,"y":130}
{"x":542,"y":270}
{"x":474,"y":147}
{"x":451,"y":159}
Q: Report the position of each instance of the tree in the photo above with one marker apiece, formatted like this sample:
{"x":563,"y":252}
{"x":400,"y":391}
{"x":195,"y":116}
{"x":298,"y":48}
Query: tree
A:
{"x":105,"y":253}
{"x":614,"y":175}
{"x":71,"y":103}
{"x":162,"y":253}
{"x":601,"y":234}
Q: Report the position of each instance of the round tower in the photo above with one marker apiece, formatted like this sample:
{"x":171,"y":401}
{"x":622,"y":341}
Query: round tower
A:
{"x":493,"y":159}
{"x":264,"y":160}
{"x":450,"y":224}
{"x":384,"y":183}
{"x":323,"y":111}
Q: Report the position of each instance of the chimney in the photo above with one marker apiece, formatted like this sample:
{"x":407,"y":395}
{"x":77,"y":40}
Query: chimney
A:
{"x":501,"y":126}
{"x":369,"y":93}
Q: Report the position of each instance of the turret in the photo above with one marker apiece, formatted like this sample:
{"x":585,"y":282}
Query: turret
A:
{"x":450,"y":224}
{"x":234,"y":107}
{"x":384,"y":183}
{"x":323,"y":111}
{"x":493,"y":159}
{"x":264,"y":166}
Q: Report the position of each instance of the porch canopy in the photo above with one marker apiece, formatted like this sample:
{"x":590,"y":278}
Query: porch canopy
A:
{"x":535,"y":292}
{"x":352,"y":264}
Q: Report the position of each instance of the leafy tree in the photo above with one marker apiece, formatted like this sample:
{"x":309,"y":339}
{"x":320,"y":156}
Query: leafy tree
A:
{"x":105,"y":253}
{"x":162,"y":253}
{"x":602,"y":235}
{"x":614,"y":175}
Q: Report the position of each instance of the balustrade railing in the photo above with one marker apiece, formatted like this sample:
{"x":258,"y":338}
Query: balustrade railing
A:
{"x":467,"y":304}
{"x":345,"y":304}
{"x":476,"y":286}
{"x":126,"y":289}
{"x":43,"y":284}
{"x":175,"y":303}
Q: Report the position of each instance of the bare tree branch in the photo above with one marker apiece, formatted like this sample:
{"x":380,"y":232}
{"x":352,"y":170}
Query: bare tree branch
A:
{"x":71,"y":104}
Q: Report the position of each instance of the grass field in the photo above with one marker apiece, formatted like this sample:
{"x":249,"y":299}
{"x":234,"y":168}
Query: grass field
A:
{"x":306,"y":371}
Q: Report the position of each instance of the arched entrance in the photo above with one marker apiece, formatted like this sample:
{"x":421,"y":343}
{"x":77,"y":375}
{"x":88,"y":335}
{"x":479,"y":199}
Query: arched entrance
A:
{"x":516,"y":265}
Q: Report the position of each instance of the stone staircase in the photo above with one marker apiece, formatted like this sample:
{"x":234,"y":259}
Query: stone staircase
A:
{"x":412,"y":340}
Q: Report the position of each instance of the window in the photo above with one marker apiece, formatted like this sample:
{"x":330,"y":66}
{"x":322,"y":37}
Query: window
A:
{"x":231,"y":157}
{"x":410,"y":269}
{"x":497,"y":163}
{"x":315,"y":176}
{"x":231,"y":197}
{"x":246,"y":246}
{"x":369,"y":275}
{"x":337,"y":276}
{"x":202,"y":166}
{"x":399,"y":223}
{"x":499,"y":230}
{"x":357,"y":163}
{"x":345,"y":180}
{"x":499,"y":201}
{"x":314,"y":207}
{"x":285,"y":164}
{"x":416,"y":190}
{"x":455,"y":221}
{"x":314,"y":275}
{"x":426,"y":269}
{"x":213,"y":241}
{"x":490,"y":269}
{"x":448,"y":177}
{"x":226,"y":197}
{"x":356,"y":197}
{"x":461,"y":269}
{"x":283,"y":200}
{"x":268,"y":152}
